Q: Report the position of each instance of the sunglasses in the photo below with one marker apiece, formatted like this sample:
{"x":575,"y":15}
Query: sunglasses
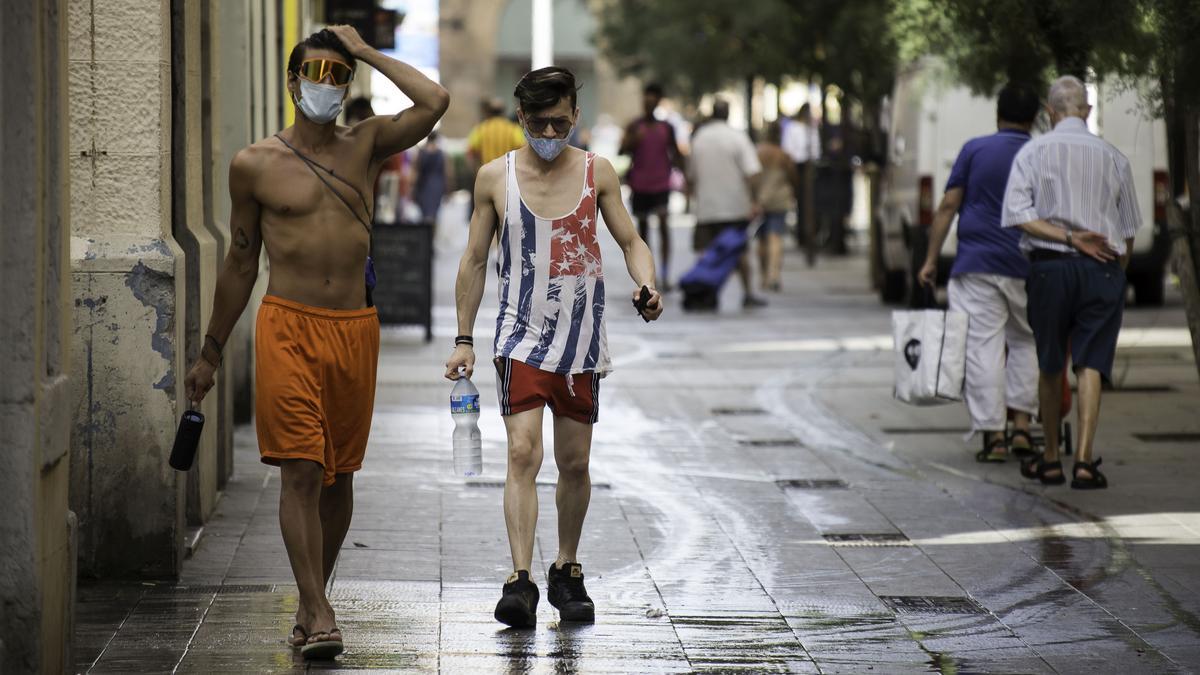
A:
{"x":537,"y":124}
{"x":316,"y":70}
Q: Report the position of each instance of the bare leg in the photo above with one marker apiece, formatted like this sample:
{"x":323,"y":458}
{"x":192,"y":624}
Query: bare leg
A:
{"x":572,"y":451}
{"x":746,"y":273}
{"x":337,"y":506}
{"x":1050,"y":394}
{"x":300,"y":524}
{"x":643,"y":223}
{"x":1089,"y":413}
{"x":664,"y":246}
{"x":775,"y":257}
{"x":520,"y":487}
{"x":764,"y":262}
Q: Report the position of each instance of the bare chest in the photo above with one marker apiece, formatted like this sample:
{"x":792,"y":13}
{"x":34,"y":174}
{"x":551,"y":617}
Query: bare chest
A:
{"x":290,"y":189}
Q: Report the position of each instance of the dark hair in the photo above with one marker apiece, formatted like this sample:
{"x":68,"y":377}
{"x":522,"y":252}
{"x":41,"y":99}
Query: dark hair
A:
{"x":544,"y":88}
{"x":720,"y":109}
{"x":805,"y":111}
{"x":653,"y":88}
{"x":359,"y":107}
{"x":1017,"y":103}
{"x":322,"y":39}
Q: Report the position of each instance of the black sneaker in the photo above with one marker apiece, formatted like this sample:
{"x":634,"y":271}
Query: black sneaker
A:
{"x":518,"y":605}
{"x":565,"y":591}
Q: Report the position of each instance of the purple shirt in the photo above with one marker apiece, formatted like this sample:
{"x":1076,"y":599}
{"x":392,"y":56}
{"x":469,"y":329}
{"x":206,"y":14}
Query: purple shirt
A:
{"x":981,"y":170}
{"x":650,"y":170}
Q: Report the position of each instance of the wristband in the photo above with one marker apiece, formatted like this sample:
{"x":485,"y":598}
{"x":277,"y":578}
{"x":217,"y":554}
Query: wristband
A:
{"x":205,"y":353}
{"x":464,"y":340}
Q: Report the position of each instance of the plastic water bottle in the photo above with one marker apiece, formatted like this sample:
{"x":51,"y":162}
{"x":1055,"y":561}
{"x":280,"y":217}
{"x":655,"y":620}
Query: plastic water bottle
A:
{"x":464,"y":410}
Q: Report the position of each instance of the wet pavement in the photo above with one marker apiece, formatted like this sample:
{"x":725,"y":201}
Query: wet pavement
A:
{"x":760,"y":504}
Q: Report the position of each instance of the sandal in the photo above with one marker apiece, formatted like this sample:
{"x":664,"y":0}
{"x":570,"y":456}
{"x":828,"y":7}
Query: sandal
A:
{"x":1021,"y":451}
{"x":298,"y":640}
{"x":994,"y":452}
{"x":323,"y":645}
{"x":1097,"y":481}
{"x":1038,"y":467}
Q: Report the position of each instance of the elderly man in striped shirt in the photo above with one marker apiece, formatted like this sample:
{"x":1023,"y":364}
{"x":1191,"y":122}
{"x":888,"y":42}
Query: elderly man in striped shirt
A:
{"x":1072,"y":194}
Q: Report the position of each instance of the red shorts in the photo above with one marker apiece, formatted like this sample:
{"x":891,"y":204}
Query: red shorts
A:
{"x":522,"y":387}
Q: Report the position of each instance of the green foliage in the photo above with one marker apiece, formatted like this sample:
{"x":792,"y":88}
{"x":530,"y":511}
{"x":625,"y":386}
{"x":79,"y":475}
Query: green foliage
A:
{"x":698,"y":46}
{"x":989,"y":42}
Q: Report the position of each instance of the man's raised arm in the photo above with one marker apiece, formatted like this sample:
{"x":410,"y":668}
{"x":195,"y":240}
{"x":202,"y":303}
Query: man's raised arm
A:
{"x":430,"y":100}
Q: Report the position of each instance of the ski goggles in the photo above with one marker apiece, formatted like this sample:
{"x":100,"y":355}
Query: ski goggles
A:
{"x":316,"y":70}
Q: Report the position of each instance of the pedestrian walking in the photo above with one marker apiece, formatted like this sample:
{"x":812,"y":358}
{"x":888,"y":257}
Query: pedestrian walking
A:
{"x":304,"y":194}
{"x":724,"y":174}
{"x":780,"y":183}
{"x":802,"y":142}
{"x":431,"y":179}
{"x":550,"y":345}
{"x":1072,"y":195}
{"x":987,"y":280}
{"x":494,"y":136}
{"x":650,"y":143}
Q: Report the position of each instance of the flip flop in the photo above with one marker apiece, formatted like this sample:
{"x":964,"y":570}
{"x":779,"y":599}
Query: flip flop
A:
{"x":323,"y":645}
{"x":300,"y":640}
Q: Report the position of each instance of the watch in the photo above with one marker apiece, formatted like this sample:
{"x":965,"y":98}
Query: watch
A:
{"x":1069,"y":241}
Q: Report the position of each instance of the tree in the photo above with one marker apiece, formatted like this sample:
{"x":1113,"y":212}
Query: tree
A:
{"x":699,"y":46}
{"x":1157,"y":41}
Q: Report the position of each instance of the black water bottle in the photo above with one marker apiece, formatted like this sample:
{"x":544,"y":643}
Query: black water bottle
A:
{"x":187,"y":439}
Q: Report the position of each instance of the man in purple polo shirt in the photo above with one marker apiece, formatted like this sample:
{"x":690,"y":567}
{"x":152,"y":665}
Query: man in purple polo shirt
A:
{"x":987,"y":280}
{"x":650,"y":143}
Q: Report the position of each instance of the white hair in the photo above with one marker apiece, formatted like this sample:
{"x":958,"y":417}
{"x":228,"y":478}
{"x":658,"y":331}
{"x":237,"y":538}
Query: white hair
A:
{"x":1068,"y":96}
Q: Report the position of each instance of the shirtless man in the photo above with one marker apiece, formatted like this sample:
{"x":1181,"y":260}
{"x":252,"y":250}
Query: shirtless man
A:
{"x":550,"y":344}
{"x":317,"y":338}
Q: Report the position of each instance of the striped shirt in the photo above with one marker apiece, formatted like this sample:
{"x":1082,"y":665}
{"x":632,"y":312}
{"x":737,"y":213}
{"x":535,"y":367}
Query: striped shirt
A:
{"x":551,"y":283}
{"x":1072,"y":178}
{"x":493,"y":137}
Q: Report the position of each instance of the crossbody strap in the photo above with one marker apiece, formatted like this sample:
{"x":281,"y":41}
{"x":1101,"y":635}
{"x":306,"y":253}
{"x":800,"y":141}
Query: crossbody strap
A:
{"x":313,"y":166}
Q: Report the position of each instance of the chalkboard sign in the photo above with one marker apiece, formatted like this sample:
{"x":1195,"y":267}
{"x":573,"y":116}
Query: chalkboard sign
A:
{"x":403,"y":293}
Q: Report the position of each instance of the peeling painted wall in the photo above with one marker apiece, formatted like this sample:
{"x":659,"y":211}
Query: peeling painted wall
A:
{"x":127,"y":286}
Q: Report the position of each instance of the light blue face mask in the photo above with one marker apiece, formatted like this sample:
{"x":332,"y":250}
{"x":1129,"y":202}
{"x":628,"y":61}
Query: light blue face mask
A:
{"x":320,"y":103}
{"x":547,"y":148}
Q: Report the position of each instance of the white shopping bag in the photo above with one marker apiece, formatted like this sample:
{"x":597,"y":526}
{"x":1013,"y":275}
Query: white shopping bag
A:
{"x":931,"y":354}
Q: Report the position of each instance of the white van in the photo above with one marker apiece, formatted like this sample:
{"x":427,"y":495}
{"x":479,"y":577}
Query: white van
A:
{"x":931,"y":117}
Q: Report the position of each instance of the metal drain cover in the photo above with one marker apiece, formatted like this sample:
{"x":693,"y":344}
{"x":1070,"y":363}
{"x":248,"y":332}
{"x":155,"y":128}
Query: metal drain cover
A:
{"x":857,"y":539}
{"x":540,"y":484}
{"x":770,"y":442}
{"x":204,"y":589}
{"x":812,"y":483}
{"x":931,"y":604}
{"x":1169,"y":437}
{"x":739,"y":411}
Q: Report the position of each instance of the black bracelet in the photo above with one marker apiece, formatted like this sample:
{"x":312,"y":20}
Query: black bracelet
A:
{"x":464,"y":340}
{"x":216,"y":345}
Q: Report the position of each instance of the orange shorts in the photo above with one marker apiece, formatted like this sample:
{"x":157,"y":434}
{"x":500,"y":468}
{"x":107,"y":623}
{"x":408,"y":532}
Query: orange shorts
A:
{"x":314,"y":383}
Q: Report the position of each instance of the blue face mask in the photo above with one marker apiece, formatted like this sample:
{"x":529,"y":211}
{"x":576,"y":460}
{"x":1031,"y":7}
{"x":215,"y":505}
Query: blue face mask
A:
{"x":547,"y":148}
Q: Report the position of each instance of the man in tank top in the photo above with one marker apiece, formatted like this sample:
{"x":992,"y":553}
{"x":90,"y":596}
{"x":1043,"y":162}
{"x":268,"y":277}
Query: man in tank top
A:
{"x":545,"y":201}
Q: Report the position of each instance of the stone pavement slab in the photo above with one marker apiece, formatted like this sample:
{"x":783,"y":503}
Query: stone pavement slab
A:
{"x":761,"y":504}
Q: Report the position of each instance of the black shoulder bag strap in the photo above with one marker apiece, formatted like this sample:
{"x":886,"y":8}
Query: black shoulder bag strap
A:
{"x":313,"y":165}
